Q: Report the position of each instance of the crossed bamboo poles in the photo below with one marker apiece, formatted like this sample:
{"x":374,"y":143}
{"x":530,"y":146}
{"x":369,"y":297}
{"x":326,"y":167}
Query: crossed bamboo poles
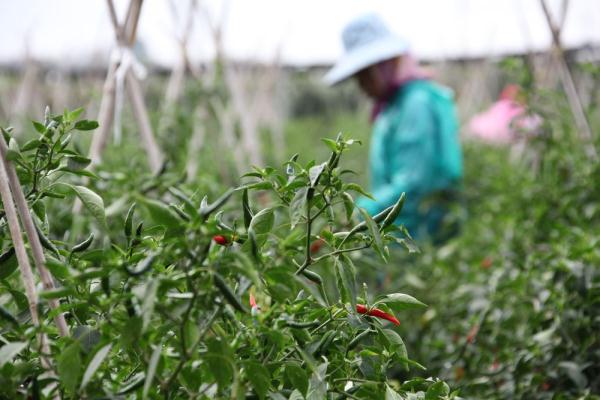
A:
{"x":121,"y":75}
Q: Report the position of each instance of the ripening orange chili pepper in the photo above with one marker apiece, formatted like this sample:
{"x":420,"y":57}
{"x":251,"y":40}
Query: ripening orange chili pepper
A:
{"x":486,"y":263}
{"x":221,"y":240}
{"x":316,"y":245}
{"x":254,"y":307}
{"x":472,"y":333}
{"x":376,"y":312}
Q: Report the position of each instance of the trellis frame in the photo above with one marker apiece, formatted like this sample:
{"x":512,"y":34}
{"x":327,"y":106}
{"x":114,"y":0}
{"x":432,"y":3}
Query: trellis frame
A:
{"x":125,"y":34}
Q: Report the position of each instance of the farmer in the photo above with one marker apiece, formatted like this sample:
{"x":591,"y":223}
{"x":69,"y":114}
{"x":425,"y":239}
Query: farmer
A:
{"x":414,"y":144}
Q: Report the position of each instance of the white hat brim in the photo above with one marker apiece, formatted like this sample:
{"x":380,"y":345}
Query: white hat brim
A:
{"x":365,"y":56}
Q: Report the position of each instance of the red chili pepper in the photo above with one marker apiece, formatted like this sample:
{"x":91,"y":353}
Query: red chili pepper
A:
{"x":486,"y":263}
{"x":472,"y":333}
{"x":376,"y":312}
{"x":495,"y":365}
{"x":316,"y":246}
{"x":221,"y":240}
{"x":255,"y":309}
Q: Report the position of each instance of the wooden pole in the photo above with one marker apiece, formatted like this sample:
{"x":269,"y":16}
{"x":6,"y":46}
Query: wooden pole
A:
{"x":34,"y":240}
{"x":125,"y":35}
{"x":155,"y":157}
{"x":568,"y":83}
{"x":24,"y":265}
{"x":105,"y":115}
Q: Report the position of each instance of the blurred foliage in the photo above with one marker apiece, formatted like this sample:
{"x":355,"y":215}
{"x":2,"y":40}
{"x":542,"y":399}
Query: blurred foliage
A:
{"x":513,"y":301}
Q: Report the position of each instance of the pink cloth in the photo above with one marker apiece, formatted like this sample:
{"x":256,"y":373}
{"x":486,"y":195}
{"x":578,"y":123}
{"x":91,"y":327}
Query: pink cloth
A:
{"x":502,"y":122}
{"x":396,"y":76}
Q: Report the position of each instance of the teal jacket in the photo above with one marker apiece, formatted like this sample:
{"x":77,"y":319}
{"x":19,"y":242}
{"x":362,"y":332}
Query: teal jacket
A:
{"x":415,"y":149}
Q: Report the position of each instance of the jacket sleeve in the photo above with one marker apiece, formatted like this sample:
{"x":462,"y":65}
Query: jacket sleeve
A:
{"x":410,"y":145}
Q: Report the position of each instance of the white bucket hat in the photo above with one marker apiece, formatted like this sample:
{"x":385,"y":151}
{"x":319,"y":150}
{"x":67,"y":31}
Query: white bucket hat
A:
{"x":367,"y":41}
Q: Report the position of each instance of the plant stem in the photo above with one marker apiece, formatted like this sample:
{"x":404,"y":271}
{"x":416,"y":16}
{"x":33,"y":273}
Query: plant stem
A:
{"x":340,"y":251}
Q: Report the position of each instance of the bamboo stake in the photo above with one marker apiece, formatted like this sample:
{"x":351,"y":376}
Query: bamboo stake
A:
{"x":105,"y":115}
{"x":34,"y":240}
{"x":125,"y":35}
{"x":131,"y":23}
{"x":155,"y":157}
{"x":24,"y":265}
{"x":568,"y":83}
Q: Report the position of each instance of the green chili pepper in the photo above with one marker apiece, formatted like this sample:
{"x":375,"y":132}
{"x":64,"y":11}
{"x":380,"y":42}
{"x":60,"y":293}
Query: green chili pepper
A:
{"x":83,"y":246}
{"x":46,"y":243}
{"x":228,"y":293}
{"x":312,"y":276}
{"x":142,"y":266}
{"x":300,"y":325}
{"x":325,"y":341}
{"x":129,"y":221}
{"x":4,"y":257}
{"x":391,"y":217}
{"x":357,"y":339}
{"x":8,"y":316}
{"x":180,"y":213}
{"x":247,"y":211}
{"x":209,"y":209}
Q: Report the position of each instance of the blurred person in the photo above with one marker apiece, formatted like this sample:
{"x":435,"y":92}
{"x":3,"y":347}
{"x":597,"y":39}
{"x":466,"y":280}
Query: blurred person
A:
{"x":414,"y":144}
{"x":506,"y":120}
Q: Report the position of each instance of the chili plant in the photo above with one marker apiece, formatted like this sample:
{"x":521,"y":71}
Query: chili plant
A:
{"x":251,"y":294}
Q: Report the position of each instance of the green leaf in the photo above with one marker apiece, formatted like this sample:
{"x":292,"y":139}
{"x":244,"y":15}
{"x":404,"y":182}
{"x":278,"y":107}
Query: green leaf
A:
{"x":357,"y":188}
{"x":92,"y":202}
{"x":346,"y":280}
{"x":401,"y":301}
{"x":73,"y":115}
{"x":76,"y":163}
{"x":259,"y":376}
{"x":391,"y":394}
{"x":31,"y":145}
{"x":162,"y":214}
{"x":263,"y":221}
{"x":315,"y":173}
{"x":69,"y":366}
{"x":147,"y":295}
{"x":317,"y":388}
{"x":394,"y":344}
{"x":39,"y":126}
{"x":219,"y":360}
{"x":437,"y":391}
{"x":374,"y":231}
{"x":154,"y":359}
{"x":85,"y":125}
{"x":348,"y":205}
{"x":297,"y":207}
{"x":332,"y":144}
{"x":574,"y":372}
{"x":95,"y":364}
{"x":87,"y":337}
{"x":10,"y":351}
{"x":297,"y":377}
{"x":409,"y":244}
